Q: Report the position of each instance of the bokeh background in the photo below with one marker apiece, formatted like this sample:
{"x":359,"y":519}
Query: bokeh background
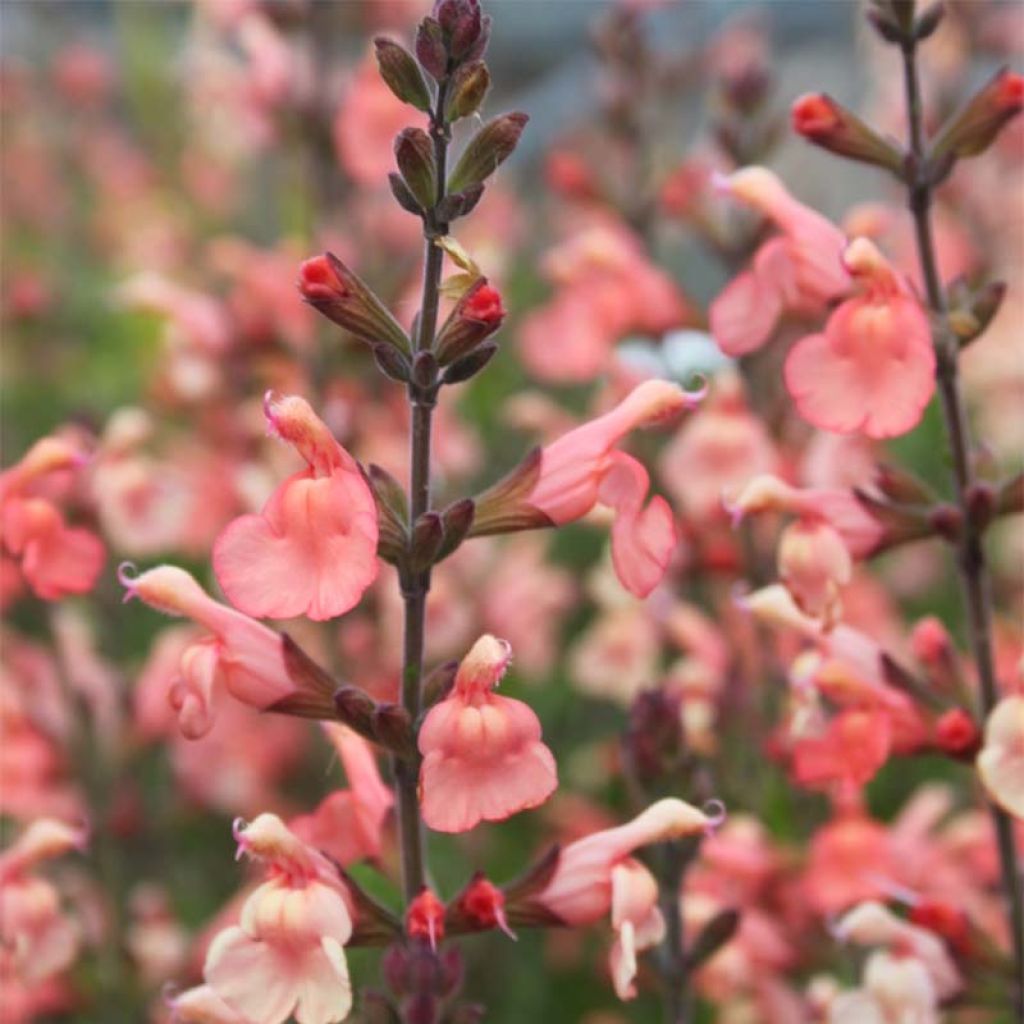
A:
{"x":152,"y":138}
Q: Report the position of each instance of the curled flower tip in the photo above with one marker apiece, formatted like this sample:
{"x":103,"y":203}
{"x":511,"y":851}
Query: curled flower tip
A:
{"x":732,"y":508}
{"x":270,"y":399}
{"x":127,"y":574}
{"x":720,"y":182}
{"x":739,"y":595}
{"x":238,"y":826}
{"x":715,"y":812}
{"x":697,"y":392}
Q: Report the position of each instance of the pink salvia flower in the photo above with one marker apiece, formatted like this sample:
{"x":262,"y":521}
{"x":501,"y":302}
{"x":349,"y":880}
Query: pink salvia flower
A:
{"x":597,"y":876}
{"x":860,"y":531}
{"x":583,"y":469}
{"x":1001,"y":761}
{"x":55,"y":559}
{"x":801,"y":270}
{"x":637,"y":922}
{"x":286,"y":956}
{"x":872,"y":370}
{"x":349,"y":823}
{"x":580,"y":892}
{"x":242,"y":656}
{"x":313,"y":549}
{"x":483,"y":759}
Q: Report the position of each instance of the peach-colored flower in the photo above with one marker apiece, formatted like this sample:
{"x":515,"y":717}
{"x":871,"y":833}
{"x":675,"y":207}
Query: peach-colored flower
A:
{"x":348,"y":823}
{"x":872,"y":370}
{"x":1001,"y":760}
{"x":606,"y":287}
{"x":201,"y":1005}
{"x":53,"y":558}
{"x":637,"y":922}
{"x":313,"y":549}
{"x":860,"y":531}
{"x":815,"y":565}
{"x":286,"y":956}
{"x":56,"y":559}
{"x":716,"y":451}
{"x":483,"y":759}
{"x":583,"y":468}
{"x":872,"y":924}
{"x":242,"y":656}
{"x":597,"y":876}
{"x":37,"y":935}
{"x":799,"y":270}
{"x":580,"y":891}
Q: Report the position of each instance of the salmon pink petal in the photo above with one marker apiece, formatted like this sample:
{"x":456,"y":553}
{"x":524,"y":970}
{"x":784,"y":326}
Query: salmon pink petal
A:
{"x":66,"y":561}
{"x":873,"y":368}
{"x":744,"y":314}
{"x":482,"y":763}
{"x":311,"y":552}
{"x":250,"y":977}
{"x":483,"y":759}
{"x":193,"y":696}
{"x":643,"y":539}
{"x":1001,"y":761}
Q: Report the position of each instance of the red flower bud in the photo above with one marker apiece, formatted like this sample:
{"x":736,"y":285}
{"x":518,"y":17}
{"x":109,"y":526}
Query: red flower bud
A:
{"x":485,"y":306}
{"x":319,"y":282}
{"x":930,"y":641}
{"x":826,"y":123}
{"x":975,"y":126}
{"x":945,"y":920}
{"x":425,"y":918}
{"x":476,"y":316}
{"x":333,"y":290}
{"x":484,"y":905}
{"x":957,"y":736}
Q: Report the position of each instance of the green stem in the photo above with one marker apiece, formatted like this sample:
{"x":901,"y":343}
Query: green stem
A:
{"x":974,"y":576}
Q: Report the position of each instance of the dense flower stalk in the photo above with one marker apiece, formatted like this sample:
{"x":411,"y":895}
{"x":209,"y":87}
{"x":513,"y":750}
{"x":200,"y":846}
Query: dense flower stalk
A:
{"x":974,"y":575}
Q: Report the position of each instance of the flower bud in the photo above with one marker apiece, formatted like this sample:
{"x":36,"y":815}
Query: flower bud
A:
{"x":957,"y":736}
{"x":465,"y":29}
{"x":490,"y":147}
{"x":427,"y":538}
{"x":468,"y":88}
{"x":403,"y":196}
{"x":654,"y":740}
{"x":972,"y":311}
{"x":424,"y":370}
{"x":456,"y":519}
{"x":482,"y":906}
{"x":476,"y":316}
{"x":901,"y":486}
{"x":892,"y":19}
{"x":930,"y":642}
{"x":430,"y":48}
{"x":469,"y":366}
{"x":458,"y":204}
{"x":425,"y":918}
{"x":414,"y":153}
{"x":401,"y":73}
{"x":336,"y":292}
{"x":391,"y":363}
{"x":943,"y":919}
{"x":975,"y":126}
{"x":826,"y":123}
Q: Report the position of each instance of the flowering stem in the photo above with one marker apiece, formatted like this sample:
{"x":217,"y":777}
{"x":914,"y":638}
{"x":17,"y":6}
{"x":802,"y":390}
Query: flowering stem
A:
{"x":974,"y":576}
{"x":676,"y":858}
{"x":416,"y":584}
